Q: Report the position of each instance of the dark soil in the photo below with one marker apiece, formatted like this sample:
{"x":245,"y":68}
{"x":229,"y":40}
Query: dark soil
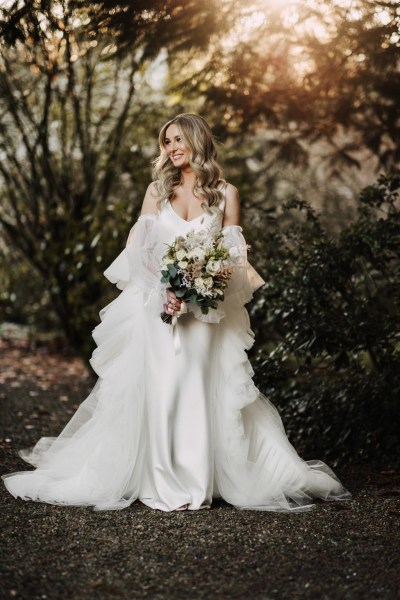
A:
{"x":347,"y":550}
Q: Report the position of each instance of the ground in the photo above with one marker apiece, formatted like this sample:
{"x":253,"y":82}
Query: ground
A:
{"x":337,"y":551}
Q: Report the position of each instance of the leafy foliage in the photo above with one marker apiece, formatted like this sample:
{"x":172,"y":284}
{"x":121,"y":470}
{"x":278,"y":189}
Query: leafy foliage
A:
{"x":145,"y":24}
{"x":350,"y":416}
{"x":71,"y":182}
{"x":331,"y":305}
{"x":323,"y":73}
{"x":337,"y":296}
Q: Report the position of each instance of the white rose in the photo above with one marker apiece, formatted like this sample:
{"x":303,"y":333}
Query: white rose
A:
{"x":213,"y":266}
{"x":198,"y":253}
{"x":183,"y":264}
{"x":180,"y":254}
{"x":208,"y":282}
{"x":199,"y":283}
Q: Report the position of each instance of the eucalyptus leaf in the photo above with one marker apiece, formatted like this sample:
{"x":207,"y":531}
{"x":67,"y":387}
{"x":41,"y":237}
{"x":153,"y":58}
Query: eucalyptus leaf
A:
{"x":172,"y":270}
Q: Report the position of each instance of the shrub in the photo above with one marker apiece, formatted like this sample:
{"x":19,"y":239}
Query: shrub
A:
{"x":331,"y":305}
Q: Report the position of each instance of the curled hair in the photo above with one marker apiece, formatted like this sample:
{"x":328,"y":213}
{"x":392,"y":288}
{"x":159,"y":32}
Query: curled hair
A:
{"x":196,"y":134}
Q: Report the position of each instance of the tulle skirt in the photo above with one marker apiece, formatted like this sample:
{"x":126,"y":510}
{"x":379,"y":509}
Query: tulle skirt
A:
{"x":174,"y":419}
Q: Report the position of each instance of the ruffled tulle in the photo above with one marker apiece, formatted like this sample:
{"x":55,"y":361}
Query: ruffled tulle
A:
{"x":257,"y":467}
{"x":97,"y":459}
{"x":102,"y":458}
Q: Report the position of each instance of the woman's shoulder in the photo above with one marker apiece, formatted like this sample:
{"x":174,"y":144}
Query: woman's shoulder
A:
{"x":152,"y":190}
{"x":231,"y":193}
{"x":232,"y":206}
{"x":229,"y":190}
{"x":150,"y":201}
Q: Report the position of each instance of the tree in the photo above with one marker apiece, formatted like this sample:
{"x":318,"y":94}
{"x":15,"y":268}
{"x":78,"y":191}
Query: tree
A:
{"x":145,"y":24}
{"x":68,"y":100}
{"x":310,"y":73}
{"x":60,"y":158}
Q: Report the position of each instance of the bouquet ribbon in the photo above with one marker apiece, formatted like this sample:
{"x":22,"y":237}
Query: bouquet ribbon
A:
{"x":175,"y":332}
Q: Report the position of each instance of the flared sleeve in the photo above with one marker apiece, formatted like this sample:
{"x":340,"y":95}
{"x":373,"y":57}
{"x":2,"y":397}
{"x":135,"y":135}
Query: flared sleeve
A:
{"x":139,"y":262}
{"x":245,"y":280}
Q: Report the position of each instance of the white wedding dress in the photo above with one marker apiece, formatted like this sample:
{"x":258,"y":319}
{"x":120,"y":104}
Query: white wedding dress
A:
{"x":174,"y":417}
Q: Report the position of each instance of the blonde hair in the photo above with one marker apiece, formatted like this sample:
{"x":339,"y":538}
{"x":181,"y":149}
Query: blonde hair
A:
{"x":197,"y":136}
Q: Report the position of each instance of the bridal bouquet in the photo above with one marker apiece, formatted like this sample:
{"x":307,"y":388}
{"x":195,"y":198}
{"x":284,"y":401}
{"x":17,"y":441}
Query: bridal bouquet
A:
{"x":197,"y":268}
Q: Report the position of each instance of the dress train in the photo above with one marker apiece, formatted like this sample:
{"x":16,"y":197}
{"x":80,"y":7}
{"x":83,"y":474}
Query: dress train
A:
{"x":170,"y":427}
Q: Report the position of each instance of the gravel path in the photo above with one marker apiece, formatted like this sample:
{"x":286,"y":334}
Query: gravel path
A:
{"x":337,"y":551}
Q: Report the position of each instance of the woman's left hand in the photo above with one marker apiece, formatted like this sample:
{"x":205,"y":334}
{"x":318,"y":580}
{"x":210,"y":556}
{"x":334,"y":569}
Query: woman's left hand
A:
{"x":173,"y":303}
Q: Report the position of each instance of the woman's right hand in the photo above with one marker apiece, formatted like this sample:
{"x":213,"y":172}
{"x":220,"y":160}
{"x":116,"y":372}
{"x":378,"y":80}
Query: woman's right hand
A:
{"x":173,"y":303}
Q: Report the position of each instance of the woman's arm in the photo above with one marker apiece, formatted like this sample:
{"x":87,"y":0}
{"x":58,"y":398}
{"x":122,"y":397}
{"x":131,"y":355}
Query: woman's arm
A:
{"x":232,"y":206}
{"x":149,"y":205}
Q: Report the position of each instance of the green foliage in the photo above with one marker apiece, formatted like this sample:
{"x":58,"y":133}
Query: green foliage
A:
{"x":24,"y":299}
{"x":326,"y":73}
{"x":349,"y":416}
{"x":71,"y":179}
{"x":331,"y":305}
{"x":145,"y":24}
{"x":336,"y":296}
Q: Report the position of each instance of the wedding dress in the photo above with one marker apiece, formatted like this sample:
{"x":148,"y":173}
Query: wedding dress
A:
{"x":174,"y":417}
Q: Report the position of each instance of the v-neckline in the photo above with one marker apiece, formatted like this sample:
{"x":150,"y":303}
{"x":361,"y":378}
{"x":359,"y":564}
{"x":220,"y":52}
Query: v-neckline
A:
{"x":181,"y":218}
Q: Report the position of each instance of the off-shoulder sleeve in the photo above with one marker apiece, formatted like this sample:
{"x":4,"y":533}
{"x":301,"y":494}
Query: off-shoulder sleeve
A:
{"x":139,"y":262}
{"x":245,"y":279}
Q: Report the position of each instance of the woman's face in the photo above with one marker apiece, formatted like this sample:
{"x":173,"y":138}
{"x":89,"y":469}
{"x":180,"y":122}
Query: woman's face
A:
{"x":176,"y":148}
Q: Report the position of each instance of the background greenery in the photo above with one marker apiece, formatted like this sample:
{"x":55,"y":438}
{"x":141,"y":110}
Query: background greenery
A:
{"x":304,"y":98}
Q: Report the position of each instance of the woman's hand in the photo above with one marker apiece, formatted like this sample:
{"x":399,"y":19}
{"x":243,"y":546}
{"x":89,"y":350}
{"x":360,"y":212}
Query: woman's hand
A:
{"x":173,"y":303}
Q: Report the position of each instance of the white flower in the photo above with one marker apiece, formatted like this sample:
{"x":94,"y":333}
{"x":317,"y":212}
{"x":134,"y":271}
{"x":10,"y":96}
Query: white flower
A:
{"x":208,"y":282}
{"x":198,"y":253}
{"x":180,"y":254}
{"x":199,"y":283}
{"x":182,"y":264}
{"x":213,"y":266}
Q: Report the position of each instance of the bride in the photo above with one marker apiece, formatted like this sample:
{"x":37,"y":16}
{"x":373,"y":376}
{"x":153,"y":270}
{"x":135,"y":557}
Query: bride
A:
{"x":175,"y":419}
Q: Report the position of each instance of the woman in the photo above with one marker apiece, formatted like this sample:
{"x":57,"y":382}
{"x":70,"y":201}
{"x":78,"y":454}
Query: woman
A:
{"x":174,"y":418}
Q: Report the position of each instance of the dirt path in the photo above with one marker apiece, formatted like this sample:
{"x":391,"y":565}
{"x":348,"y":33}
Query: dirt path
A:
{"x":347,"y":551}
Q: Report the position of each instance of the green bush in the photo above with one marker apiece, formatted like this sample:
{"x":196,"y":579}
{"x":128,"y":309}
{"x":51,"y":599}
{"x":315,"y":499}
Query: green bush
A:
{"x":331,"y":307}
{"x":348,"y":416}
